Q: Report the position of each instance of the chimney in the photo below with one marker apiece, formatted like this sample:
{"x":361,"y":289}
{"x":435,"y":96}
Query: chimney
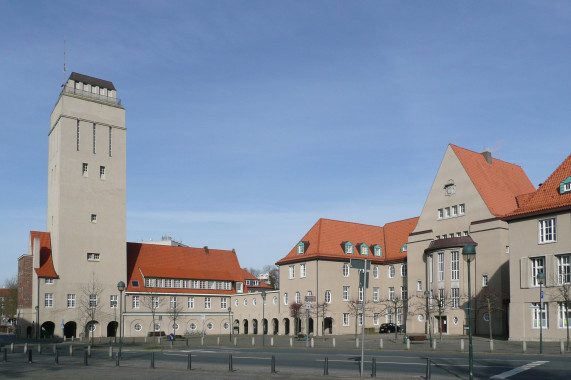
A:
{"x":36,"y":252}
{"x":488,"y":156}
{"x":206,"y":249}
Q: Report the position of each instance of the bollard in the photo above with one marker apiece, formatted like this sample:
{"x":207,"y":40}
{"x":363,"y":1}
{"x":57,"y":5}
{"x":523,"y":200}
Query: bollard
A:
{"x":189,"y":365}
{"x":5,"y":355}
{"x":374,"y":368}
{"x":89,"y":350}
{"x":434,"y":345}
{"x":85,"y":355}
{"x":12,"y":348}
{"x":218,"y":341}
{"x":56,"y":360}
{"x":54,"y":348}
{"x":146,"y":339}
{"x":491,"y":346}
{"x":110,"y":352}
{"x":561,"y":347}
{"x":253,"y":341}
{"x":312,"y":342}
{"x":39,"y":349}
{"x":29,"y":356}
{"x":70,"y":350}
{"x":171,"y":343}
{"x":72,"y":338}
{"x":333,"y":342}
{"x":381,"y":344}
{"x":235,"y":341}
{"x":461,"y":345}
{"x":152,"y":360}
{"x":326,"y":367}
{"x":202,"y":341}
{"x":64,"y":338}
{"x":230,"y":368}
{"x":356,"y":342}
{"x":159,"y":340}
{"x":408,"y":344}
{"x":524,"y":346}
{"x":291,"y":342}
{"x":273,"y":364}
{"x":25,"y":348}
{"x":272,"y":341}
{"x":117,"y":360}
{"x":428,"y":374}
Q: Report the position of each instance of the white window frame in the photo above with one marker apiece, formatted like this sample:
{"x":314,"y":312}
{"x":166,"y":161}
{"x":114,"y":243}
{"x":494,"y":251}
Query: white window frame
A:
{"x":346,"y":293}
{"x":561,"y":322}
{"x":376,"y":319}
{"x":291,"y":272}
{"x":389,"y":315}
{"x":440,"y":213}
{"x":537,"y":266}
{"x":391,"y":271}
{"x":173,"y":302}
{"x":135,"y":302}
{"x":224,"y":303}
{"x":403,"y":270}
{"x":113,"y":299}
{"x":297,"y":297}
{"x":71,"y":301}
{"x":547,"y":230}
{"x":300,"y":249}
{"x":419,"y":286}
{"x":346,"y":319}
{"x":49,"y":281}
{"x":391,"y":293}
{"x":345,"y":269}
{"x":455,"y":297}
{"x":328,"y":296}
{"x":535,"y":315}
{"x":207,"y":302}
{"x":376,"y":294}
{"x":461,"y":209}
{"x":375,"y":271}
{"x":302,"y":270}
{"x":286,"y":299}
{"x":404,"y":292}
{"x":440,"y":266}
{"x":364,"y":250}
{"x":455,"y":265}
{"x":191,"y":302}
{"x":155,"y":302}
{"x":563,"y":269}
{"x":485,"y":280}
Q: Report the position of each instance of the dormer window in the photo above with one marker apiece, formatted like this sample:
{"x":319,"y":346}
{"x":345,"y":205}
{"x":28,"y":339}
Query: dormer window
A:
{"x":239,"y":287}
{"x":364,"y":249}
{"x":348,"y":248}
{"x":301,"y":247}
{"x":565,"y":186}
{"x":377,"y":250}
{"x":403,"y":248}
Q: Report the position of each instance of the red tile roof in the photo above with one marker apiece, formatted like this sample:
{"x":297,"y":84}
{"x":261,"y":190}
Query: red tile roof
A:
{"x":46,"y":269}
{"x":247,"y":275}
{"x":547,"y":197}
{"x":326,"y":240}
{"x":498,"y":183}
{"x":160,"y":261}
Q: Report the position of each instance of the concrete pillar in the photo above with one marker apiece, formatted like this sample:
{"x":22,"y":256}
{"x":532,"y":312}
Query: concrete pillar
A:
{"x":381,"y":344}
{"x":461,"y":345}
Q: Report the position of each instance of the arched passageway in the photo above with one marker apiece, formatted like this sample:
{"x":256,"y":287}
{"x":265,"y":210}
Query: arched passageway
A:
{"x":236,"y":327}
{"x":245,"y":323}
{"x":275,"y":326}
{"x":47,"y":329}
{"x":70,"y":329}
{"x":254,"y":326}
{"x":112,"y":328}
{"x":328,"y":325}
{"x":286,"y":326}
{"x":265,"y":326}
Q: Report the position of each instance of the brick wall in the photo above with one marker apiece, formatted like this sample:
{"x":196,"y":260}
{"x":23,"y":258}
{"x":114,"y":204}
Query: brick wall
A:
{"x":25,"y":278}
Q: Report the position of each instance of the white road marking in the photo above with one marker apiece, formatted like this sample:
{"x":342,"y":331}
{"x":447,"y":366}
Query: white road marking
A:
{"x":517,"y":370}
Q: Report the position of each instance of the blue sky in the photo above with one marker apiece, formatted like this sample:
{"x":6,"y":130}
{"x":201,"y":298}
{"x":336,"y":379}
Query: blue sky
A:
{"x":249,"y":120}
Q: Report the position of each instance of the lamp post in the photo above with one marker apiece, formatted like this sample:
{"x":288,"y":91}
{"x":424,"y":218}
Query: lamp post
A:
{"x":469,"y":254}
{"x":263,"y":318}
{"x":120,"y":287}
{"x":541,"y":280}
{"x":230,"y":324}
{"x":426,"y":294}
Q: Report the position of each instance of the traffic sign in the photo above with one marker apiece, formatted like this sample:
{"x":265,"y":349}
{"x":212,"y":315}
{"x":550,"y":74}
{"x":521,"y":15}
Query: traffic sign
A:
{"x":310,"y":298}
{"x":360,"y":264}
{"x":361,"y":279}
{"x":541,"y":294}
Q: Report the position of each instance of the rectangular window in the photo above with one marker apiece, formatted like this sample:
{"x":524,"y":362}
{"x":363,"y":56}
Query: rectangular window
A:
{"x":462,"y":209}
{"x":547,"y":230}
{"x":84,"y":171}
{"x":149,"y":282}
{"x":202,"y":284}
{"x":77,"y":137}
{"x":49,"y":281}
{"x":173,"y":302}
{"x":176,"y":284}
{"x":168,"y":283}
{"x":239,"y":287}
{"x":93,"y":256}
{"x":440,"y":213}
{"x":376,"y":319}
{"x":465,"y":233}
{"x":391,"y":293}
{"x":109,"y":141}
{"x":191,"y":302}
{"x":102,"y":172}
{"x":93,"y":138}
{"x":291,"y":272}
{"x":223,"y":303}
{"x":563,"y":270}
{"x":155,"y":302}
{"x":302,"y":272}
{"x":346,"y":292}
{"x":92,"y":301}
{"x":419,"y":286}
{"x":537,"y":266}
{"x":207,"y":302}
{"x":136,"y":302}
{"x":455,"y":265}
{"x":71,"y":301}
{"x":376,"y":295}
{"x":403,"y":293}
{"x":440,"y":266}
{"x":454,"y":210}
{"x":113,"y":301}
{"x":399,"y":316}
{"x":389,"y":315}
{"x":93,"y":218}
{"x":447,"y":212}
{"x":539,"y":316}
{"x":484,"y":280}
{"x":455,"y":295}
{"x":375,"y":271}
{"x":564,"y":315}
{"x":345,"y":319}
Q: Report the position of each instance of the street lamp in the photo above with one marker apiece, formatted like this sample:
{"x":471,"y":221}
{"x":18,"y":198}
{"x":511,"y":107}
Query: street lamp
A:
{"x":120,"y":287}
{"x":426,"y":294}
{"x":541,"y":280}
{"x":230,"y":324}
{"x":263,"y":318}
{"x":469,"y":254}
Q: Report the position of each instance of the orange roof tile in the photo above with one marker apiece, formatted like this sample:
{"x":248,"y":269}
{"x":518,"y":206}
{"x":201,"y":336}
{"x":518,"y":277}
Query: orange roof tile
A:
{"x":160,"y":261}
{"x":326,"y":241}
{"x":498,"y":183}
{"x":547,"y":197}
{"x":247,"y":275}
{"x":46,"y":269}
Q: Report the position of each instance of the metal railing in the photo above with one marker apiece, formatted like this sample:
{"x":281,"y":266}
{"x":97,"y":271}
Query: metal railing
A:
{"x":90,"y":95}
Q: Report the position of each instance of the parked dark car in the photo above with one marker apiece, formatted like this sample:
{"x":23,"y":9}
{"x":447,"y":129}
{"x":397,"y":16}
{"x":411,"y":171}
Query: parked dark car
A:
{"x":389,"y":328}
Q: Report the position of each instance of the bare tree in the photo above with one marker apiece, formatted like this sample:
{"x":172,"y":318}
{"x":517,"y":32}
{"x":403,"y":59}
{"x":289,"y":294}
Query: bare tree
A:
{"x":423,"y":306}
{"x":489,"y":301}
{"x":296,"y":312}
{"x":441,"y":302}
{"x":355,"y":308}
{"x":391,"y":306}
{"x":562,"y":294}
{"x":151,"y":301}
{"x":320,"y":311}
{"x":274,"y":275}
{"x":90,"y":305}
{"x":9,"y":306}
{"x":174,"y":312}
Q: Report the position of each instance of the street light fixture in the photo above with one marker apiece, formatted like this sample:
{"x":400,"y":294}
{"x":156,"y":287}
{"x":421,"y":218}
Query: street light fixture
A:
{"x":469,"y":254}
{"x":263,"y":318}
{"x":230,"y":324}
{"x":120,"y":287}
{"x":426,"y":294}
{"x":541,"y":280}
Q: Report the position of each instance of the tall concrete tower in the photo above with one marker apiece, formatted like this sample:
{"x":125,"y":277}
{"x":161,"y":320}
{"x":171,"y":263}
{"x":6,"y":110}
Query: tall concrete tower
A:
{"x":86,"y":212}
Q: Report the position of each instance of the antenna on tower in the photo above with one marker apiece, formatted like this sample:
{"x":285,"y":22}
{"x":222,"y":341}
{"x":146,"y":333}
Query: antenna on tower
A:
{"x":63,"y":83}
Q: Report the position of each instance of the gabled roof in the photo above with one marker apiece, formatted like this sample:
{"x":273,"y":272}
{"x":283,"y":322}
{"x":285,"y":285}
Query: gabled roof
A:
{"x":46,"y":269}
{"x":326,"y":241}
{"x":498,"y":183}
{"x":160,"y":261}
{"x":547,"y":197}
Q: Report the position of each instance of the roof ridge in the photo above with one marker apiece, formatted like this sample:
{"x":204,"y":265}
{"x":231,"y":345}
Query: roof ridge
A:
{"x":479,"y":153}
